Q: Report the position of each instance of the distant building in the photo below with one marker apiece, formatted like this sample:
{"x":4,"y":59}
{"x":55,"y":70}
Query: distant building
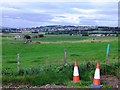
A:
{"x":19,"y":37}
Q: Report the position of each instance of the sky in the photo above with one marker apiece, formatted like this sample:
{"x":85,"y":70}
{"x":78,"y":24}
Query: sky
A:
{"x":34,"y":13}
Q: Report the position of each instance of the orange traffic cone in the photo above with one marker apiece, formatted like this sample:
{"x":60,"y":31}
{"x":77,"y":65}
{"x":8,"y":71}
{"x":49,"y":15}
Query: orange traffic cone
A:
{"x":96,"y":81}
{"x":76,"y":77}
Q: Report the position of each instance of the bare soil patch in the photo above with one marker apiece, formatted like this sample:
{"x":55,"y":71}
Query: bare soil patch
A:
{"x":54,"y":86}
{"x":110,"y":80}
{"x":47,"y":86}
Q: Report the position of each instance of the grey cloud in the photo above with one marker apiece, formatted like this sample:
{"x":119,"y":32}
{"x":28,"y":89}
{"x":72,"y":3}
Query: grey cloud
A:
{"x":28,"y":16}
{"x":104,"y":13}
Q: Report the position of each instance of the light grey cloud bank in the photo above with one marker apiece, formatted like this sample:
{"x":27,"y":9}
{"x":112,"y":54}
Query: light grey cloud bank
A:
{"x":31,"y":14}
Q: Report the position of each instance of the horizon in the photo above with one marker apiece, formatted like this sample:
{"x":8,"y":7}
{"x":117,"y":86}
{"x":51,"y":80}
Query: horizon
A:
{"x":35,"y":14}
{"x":55,"y":25}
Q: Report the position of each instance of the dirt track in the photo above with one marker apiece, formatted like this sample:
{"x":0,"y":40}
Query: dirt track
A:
{"x":81,"y":41}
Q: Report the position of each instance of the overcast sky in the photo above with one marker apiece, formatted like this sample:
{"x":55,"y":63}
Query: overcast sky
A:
{"x":24,"y":13}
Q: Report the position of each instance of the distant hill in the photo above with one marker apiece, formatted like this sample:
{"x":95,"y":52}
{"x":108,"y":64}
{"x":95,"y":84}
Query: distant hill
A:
{"x":2,"y":27}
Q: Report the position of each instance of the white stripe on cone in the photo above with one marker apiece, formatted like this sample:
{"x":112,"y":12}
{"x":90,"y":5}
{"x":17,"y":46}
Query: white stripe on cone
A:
{"x":75,"y":73}
{"x":97,"y":74}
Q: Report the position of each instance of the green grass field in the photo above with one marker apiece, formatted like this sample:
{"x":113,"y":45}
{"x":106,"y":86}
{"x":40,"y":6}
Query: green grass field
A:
{"x":52,"y":53}
{"x":36,"y":54}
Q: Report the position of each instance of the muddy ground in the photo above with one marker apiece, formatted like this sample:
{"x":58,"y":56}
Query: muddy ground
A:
{"x":111,"y":81}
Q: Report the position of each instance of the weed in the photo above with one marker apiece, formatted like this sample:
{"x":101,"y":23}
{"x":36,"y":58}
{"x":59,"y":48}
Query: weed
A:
{"x":57,"y":74}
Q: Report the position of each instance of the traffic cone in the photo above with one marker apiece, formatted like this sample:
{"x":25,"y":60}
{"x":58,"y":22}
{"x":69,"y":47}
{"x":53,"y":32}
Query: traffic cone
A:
{"x":76,"y":77}
{"x":96,"y":81}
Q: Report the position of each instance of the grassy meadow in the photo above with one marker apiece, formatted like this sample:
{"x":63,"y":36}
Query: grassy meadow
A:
{"x":47,"y":57}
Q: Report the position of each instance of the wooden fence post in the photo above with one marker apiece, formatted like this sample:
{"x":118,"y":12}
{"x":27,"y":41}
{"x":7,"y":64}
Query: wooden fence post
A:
{"x":65,"y":56}
{"x":18,"y":62}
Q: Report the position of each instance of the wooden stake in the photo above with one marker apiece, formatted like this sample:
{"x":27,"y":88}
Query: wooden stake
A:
{"x":65,"y":56}
{"x":18,"y":62}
